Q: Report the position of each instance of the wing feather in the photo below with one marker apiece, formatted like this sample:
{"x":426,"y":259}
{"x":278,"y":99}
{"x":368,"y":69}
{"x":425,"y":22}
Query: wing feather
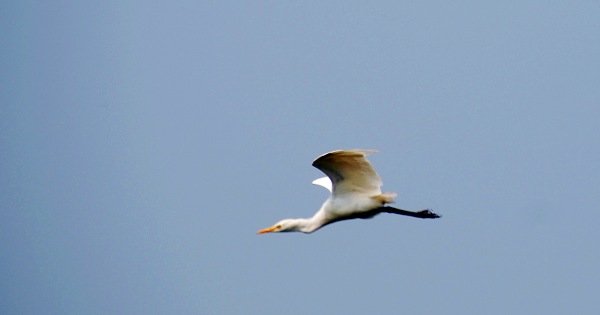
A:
{"x":350,"y":171}
{"x":323,"y":182}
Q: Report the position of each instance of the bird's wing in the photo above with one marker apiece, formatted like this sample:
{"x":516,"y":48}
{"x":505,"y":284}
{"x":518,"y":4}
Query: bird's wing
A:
{"x":324,"y":182}
{"x":350,"y":171}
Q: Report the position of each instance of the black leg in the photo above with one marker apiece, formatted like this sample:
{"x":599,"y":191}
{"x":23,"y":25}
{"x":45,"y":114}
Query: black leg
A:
{"x":423,"y":214}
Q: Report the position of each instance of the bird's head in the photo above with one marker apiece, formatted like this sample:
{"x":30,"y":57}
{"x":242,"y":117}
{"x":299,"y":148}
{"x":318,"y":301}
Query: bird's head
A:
{"x":287,"y":225}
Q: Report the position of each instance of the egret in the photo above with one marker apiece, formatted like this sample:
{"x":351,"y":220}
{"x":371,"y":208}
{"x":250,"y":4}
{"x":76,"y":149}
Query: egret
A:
{"x":355,"y":193}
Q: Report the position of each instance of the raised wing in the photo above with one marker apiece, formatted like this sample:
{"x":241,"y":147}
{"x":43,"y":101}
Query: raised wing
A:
{"x":350,"y":172}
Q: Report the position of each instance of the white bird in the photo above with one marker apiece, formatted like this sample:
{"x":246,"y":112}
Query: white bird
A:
{"x":355,"y":193}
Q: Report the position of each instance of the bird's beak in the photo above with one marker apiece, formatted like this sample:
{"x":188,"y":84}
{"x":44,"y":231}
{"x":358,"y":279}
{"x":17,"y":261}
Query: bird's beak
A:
{"x":268,"y":230}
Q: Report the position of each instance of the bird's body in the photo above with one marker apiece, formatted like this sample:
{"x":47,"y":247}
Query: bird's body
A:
{"x":355,"y":193}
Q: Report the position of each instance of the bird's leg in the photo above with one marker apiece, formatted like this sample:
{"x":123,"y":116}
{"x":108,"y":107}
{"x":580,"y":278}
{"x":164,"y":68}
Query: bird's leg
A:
{"x":423,"y":214}
{"x":428,"y":214}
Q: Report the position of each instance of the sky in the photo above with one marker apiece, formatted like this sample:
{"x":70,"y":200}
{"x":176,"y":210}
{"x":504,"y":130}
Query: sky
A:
{"x":144,"y":143}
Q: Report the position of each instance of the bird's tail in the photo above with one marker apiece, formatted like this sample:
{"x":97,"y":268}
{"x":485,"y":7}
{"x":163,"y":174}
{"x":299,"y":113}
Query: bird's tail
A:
{"x":387,"y":197}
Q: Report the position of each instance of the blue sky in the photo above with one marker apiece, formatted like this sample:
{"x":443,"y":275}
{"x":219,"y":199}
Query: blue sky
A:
{"x":145,"y":143}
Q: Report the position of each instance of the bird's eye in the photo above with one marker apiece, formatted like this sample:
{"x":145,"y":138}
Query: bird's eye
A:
{"x":278,"y":227}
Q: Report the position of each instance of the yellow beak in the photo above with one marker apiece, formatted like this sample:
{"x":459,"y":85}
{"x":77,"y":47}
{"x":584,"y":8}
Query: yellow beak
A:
{"x":268,"y":230}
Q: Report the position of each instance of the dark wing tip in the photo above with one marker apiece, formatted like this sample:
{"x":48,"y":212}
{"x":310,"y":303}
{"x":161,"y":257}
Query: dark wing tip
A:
{"x":359,"y":152}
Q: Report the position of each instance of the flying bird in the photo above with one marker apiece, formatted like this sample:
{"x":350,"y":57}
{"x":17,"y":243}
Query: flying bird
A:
{"x":355,"y":193}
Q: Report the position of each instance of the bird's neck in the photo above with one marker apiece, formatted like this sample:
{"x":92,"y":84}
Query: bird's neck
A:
{"x":309,"y":225}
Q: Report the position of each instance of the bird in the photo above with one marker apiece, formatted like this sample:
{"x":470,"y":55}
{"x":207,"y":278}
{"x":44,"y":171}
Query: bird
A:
{"x":355,"y":189}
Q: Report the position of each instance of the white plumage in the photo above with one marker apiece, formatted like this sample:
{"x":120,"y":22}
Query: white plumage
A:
{"x":355,"y":193}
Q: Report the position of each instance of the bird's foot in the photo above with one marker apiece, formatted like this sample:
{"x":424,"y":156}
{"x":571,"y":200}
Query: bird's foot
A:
{"x":428,"y":214}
